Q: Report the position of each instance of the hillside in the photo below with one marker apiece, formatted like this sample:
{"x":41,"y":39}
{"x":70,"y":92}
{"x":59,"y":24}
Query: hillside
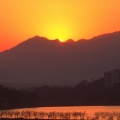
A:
{"x":39,"y":61}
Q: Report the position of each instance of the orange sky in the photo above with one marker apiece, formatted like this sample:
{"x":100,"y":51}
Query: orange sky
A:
{"x":62,"y":19}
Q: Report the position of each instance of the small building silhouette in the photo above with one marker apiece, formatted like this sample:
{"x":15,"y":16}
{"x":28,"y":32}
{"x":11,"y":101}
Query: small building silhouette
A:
{"x":112,"y":78}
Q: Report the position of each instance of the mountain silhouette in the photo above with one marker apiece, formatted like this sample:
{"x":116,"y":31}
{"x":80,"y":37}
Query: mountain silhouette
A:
{"x":40,"y":61}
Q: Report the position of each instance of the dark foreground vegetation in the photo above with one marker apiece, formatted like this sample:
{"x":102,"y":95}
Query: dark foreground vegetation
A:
{"x":32,"y":115}
{"x":84,"y":93}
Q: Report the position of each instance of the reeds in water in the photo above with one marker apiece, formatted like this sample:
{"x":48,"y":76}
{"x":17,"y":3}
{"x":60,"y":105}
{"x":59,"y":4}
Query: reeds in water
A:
{"x":23,"y":115}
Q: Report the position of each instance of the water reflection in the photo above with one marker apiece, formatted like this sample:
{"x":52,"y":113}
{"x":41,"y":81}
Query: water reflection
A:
{"x":89,"y":109}
{"x":82,"y":113}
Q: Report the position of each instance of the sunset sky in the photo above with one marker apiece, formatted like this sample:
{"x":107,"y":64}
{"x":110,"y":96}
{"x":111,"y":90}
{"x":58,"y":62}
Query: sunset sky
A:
{"x":62,"y":19}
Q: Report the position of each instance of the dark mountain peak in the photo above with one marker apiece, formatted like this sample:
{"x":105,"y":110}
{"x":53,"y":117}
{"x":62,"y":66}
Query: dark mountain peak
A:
{"x":38,"y":38}
{"x":35,"y":39}
{"x":70,"y":41}
{"x":39,"y":60}
{"x":36,"y":42}
{"x":107,"y":36}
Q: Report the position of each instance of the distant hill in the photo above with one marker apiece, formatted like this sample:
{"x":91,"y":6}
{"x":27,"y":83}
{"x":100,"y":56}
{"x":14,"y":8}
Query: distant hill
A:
{"x":39,"y":61}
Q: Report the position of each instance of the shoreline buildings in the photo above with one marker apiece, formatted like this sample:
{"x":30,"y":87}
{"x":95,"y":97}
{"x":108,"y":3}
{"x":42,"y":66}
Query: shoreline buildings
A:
{"x":112,"y":78}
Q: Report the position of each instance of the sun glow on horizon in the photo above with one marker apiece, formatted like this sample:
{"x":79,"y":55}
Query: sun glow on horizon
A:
{"x":62,"y":40}
{"x":57,"y":30}
{"x":56,"y":19}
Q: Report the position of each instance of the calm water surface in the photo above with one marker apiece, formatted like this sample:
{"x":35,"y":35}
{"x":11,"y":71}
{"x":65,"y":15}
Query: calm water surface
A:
{"x":88,"y":109}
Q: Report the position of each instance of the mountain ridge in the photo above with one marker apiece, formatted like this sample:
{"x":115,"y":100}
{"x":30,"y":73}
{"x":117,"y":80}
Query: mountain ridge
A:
{"x":39,"y":61}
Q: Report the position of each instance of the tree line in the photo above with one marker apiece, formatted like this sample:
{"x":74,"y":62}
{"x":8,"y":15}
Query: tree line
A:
{"x":84,"y":93}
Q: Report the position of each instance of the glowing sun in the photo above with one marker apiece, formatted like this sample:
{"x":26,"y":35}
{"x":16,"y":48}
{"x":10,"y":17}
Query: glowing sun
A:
{"x":58,"y":30}
{"x":61,"y":40}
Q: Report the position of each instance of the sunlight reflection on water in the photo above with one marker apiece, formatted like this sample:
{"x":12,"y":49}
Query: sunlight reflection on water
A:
{"x":90,"y":110}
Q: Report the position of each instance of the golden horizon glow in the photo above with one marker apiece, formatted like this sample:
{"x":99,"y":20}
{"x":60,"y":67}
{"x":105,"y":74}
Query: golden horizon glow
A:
{"x":57,"y":30}
{"x":56,"y":19}
{"x":61,"y":40}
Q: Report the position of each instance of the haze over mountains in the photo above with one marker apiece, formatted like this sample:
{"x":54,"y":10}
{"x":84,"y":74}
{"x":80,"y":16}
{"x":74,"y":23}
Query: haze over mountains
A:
{"x":39,"y":61}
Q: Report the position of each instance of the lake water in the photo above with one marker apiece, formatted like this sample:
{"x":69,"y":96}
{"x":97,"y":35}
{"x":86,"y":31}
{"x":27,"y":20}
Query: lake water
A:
{"x":90,"y":110}
{"x":72,"y":112}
